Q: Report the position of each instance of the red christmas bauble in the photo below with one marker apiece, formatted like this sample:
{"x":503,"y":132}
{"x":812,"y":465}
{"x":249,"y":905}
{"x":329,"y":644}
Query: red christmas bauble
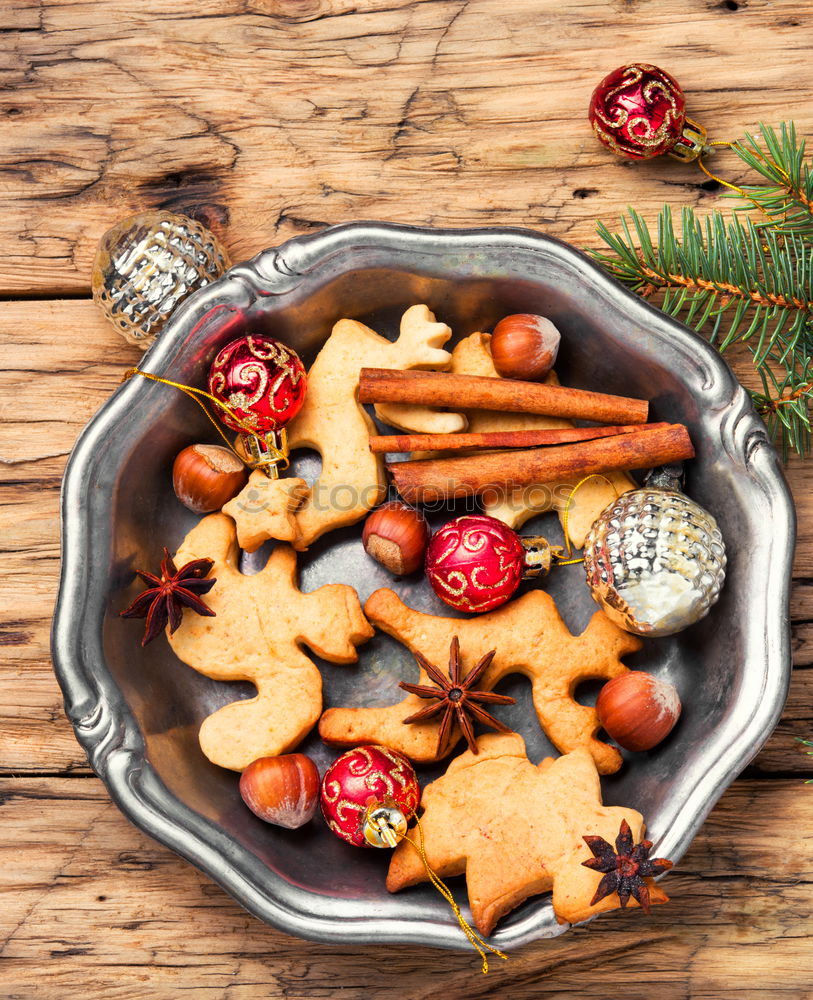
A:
{"x":361,"y":780}
{"x":475,"y":563}
{"x":261,"y":379}
{"x":638,"y":111}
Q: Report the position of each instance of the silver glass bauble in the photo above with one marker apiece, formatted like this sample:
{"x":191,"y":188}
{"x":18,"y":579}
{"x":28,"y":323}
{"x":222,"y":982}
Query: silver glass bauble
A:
{"x":655,"y":561}
{"x":146,"y":265}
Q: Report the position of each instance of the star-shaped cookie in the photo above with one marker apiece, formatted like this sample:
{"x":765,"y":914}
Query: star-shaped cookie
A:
{"x":266,"y":508}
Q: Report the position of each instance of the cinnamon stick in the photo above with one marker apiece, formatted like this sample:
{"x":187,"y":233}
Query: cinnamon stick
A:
{"x":430,"y":480}
{"x":480,"y":392}
{"x":384,"y":443}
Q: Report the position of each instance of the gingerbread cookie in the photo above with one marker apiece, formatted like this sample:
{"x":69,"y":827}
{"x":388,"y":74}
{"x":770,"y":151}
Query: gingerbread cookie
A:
{"x":516,"y":831}
{"x":333,"y":422}
{"x":529,"y":637}
{"x":260,"y":623}
{"x":472,"y":356}
{"x":419,"y":323}
{"x":266,"y":508}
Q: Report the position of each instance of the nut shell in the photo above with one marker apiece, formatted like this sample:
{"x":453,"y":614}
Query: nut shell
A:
{"x":281,"y":790}
{"x":524,"y":346}
{"x":638,"y":710}
{"x":205,"y":476}
{"x":396,"y":535}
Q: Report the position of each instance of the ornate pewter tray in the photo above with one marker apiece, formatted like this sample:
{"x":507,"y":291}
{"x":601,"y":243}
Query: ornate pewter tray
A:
{"x":136,"y":712}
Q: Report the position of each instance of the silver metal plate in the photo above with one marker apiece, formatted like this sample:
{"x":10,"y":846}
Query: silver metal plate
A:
{"x":136,"y":712}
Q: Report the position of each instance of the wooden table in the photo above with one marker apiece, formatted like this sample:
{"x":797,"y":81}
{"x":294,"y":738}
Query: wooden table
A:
{"x":267,"y":119}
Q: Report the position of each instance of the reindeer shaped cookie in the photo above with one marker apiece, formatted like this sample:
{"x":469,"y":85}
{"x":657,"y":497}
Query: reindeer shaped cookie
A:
{"x":529,"y":637}
{"x":260,"y":623}
{"x":333,"y":422}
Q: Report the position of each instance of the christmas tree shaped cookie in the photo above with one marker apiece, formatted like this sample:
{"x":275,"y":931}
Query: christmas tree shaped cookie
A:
{"x":260,"y":624}
{"x":517,"y":830}
{"x":529,"y":637}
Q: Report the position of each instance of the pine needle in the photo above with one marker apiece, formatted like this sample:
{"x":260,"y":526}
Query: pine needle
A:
{"x":744,"y":280}
{"x":807,"y":743}
{"x":788,"y":197}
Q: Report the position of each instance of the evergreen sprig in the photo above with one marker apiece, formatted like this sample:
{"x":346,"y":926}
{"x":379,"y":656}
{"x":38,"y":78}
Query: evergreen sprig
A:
{"x":746,"y":279}
{"x":807,"y":743}
{"x":787,"y":199}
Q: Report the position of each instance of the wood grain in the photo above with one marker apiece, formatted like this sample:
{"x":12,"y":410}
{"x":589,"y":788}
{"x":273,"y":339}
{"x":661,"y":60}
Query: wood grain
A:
{"x":104,"y":905}
{"x":270,"y":118}
{"x":267,"y":119}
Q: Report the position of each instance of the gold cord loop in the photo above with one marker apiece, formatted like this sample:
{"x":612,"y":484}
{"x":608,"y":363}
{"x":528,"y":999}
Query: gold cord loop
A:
{"x":267,"y":457}
{"x":476,"y":941}
{"x":730,"y":145}
{"x":566,"y":516}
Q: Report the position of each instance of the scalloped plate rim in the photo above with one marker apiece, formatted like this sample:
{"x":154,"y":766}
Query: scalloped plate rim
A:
{"x":108,"y":731}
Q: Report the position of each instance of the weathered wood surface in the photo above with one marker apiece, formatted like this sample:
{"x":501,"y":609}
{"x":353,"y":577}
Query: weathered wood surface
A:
{"x":106,"y":912}
{"x":268,"y":119}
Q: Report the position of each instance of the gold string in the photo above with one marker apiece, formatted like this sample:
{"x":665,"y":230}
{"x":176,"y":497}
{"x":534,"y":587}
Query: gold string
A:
{"x":740,"y":191}
{"x":476,"y":941}
{"x":277,"y":456}
{"x":567,"y":562}
{"x":566,"y":515}
{"x":787,"y":178}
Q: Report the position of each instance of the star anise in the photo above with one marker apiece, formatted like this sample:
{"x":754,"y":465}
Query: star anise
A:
{"x":167,"y":596}
{"x":457,"y":698}
{"x":625,"y":868}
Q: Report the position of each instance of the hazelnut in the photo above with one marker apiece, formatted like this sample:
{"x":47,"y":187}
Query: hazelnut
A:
{"x":281,"y":790}
{"x":205,"y":476}
{"x":396,"y":535}
{"x":638,"y":710}
{"x":524,"y":346}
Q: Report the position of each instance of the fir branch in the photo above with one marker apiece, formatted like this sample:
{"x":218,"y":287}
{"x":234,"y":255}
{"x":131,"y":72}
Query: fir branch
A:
{"x":748,"y":279}
{"x":807,"y":743}
{"x":787,"y":199}
{"x":785,"y":405}
{"x":720,"y":273}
